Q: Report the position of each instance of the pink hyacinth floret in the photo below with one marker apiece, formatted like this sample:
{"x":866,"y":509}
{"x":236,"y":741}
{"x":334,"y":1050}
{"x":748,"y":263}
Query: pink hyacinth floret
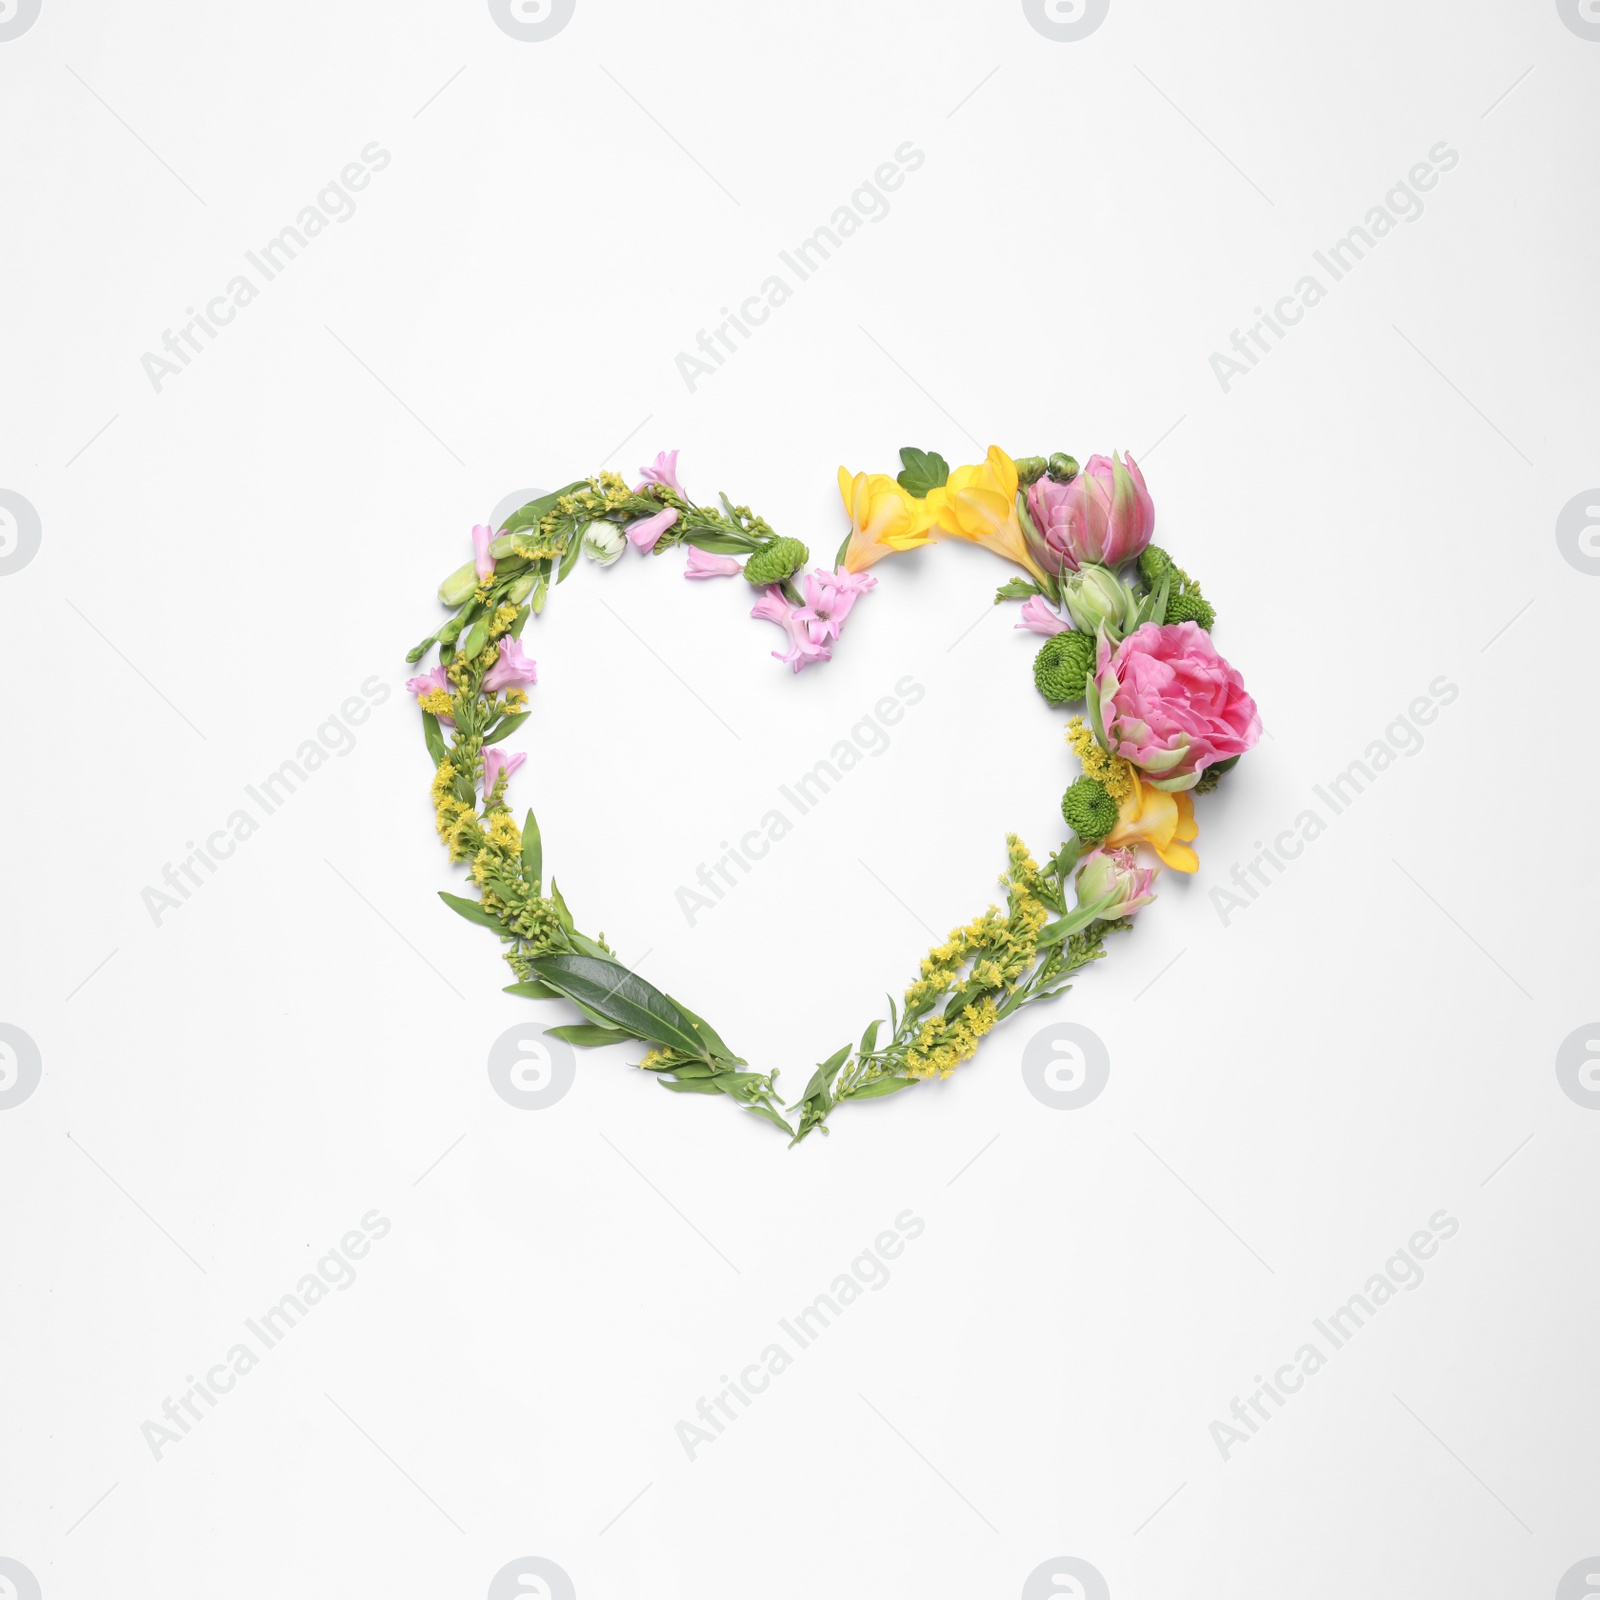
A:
{"x":664,"y":470}
{"x":647,"y":530}
{"x":704,"y":565}
{"x":496,"y":761}
{"x":513,"y":668}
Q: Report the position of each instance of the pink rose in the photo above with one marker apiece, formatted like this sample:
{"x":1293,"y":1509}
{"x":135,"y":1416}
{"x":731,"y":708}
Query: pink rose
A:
{"x":1103,"y":517}
{"x":1166,"y":701}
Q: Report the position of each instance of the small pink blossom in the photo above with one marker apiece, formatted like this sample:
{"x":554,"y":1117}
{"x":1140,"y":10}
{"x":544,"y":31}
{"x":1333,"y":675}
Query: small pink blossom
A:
{"x":702,"y":565}
{"x":804,"y":651}
{"x":496,"y":761}
{"x":645,"y":533}
{"x":1039,"y":617}
{"x":771,"y":607}
{"x":664,"y":471}
{"x":427,"y":683}
{"x":829,"y":598}
{"x":481,"y":536}
{"x":513,"y":667}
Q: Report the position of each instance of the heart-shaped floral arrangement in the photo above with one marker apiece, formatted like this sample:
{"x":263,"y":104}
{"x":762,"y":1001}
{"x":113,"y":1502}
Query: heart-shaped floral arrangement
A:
{"x":1128,"y":634}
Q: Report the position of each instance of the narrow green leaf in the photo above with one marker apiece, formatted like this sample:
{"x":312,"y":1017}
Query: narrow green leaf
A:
{"x":709,"y":1034}
{"x":520,"y":621}
{"x":533,"y":991}
{"x":922,"y":470}
{"x":1091,"y":694}
{"x":532,"y":852}
{"x":762,"y":1110}
{"x":609,"y":990}
{"x":506,"y":726}
{"x":432,"y":737}
{"x":869,"y":1040}
{"x":529,"y":515}
{"x":569,"y":557}
{"x":719,"y":544}
{"x":587,"y":1034}
{"x":825,"y":1074}
{"x":471,"y":910}
{"x":563,"y":916}
{"x":1075,"y":922}
{"x":691,"y":1085}
{"x":880,"y":1087}
{"x":477,"y":636}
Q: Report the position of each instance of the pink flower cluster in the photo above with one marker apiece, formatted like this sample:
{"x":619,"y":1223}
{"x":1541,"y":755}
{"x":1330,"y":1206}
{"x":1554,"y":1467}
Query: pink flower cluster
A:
{"x":815,"y":626}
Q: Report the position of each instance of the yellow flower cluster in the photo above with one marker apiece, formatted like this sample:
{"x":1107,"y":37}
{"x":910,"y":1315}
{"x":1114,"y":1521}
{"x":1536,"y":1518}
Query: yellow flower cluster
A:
{"x":1116,"y":774}
{"x":456,"y":820}
{"x":503,"y":618}
{"x":1000,"y":950}
{"x":942,"y":1046}
{"x":439,"y":701}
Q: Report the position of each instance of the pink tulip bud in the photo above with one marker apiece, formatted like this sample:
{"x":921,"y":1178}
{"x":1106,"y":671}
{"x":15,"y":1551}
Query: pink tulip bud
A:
{"x":1104,"y":516}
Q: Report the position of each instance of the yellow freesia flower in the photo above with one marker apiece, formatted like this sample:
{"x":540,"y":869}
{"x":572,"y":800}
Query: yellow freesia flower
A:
{"x":884,"y":518}
{"x":1161,"y":820}
{"x":980,"y":503}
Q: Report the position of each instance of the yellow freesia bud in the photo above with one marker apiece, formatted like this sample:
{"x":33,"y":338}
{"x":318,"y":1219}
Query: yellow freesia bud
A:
{"x":884,"y":518}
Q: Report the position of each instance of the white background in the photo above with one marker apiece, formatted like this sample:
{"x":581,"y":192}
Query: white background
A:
{"x":1292,"y":1094}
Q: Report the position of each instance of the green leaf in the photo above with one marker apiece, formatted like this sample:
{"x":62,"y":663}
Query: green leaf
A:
{"x":563,"y":916}
{"x":869,"y":1040}
{"x":608,"y":989}
{"x":709,"y":1034}
{"x":472,"y":911}
{"x":691,"y":1085}
{"x":533,"y":991}
{"x":844,"y":550}
{"x":1075,"y":922}
{"x":1015,"y":589}
{"x":922,"y":470}
{"x":477,"y":636}
{"x":433,"y":737}
{"x":762,"y":1110}
{"x":880,"y":1087}
{"x":825,"y":1074}
{"x":529,"y":515}
{"x":506,"y":726}
{"x":520,"y":622}
{"x":719,"y":544}
{"x":532,"y":852}
{"x":1091,"y":695}
{"x":569,"y":557}
{"x":587,"y":1034}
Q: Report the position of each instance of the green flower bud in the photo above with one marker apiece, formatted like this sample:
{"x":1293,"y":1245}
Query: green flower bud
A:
{"x":1030,"y":469}
{"x":1153,"y":564}
{"x":1063,"y":468}
{"x":1191,"y":607}
{"x":774,"y":562}
{"x":1090,"y":812}
{"x":1063,"y":663}
{"x":460,"y":586}
{"x":521,"y":587}
{"x":1096,"y":597}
